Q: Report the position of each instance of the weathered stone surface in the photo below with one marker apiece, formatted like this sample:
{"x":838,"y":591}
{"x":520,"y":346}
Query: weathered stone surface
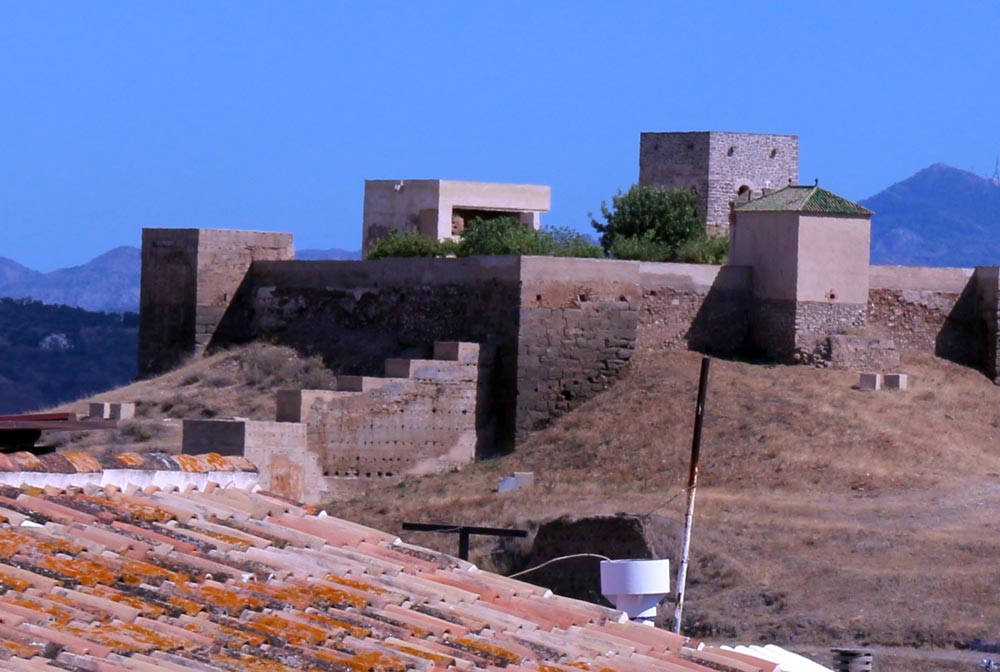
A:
{"x":862,"y":353}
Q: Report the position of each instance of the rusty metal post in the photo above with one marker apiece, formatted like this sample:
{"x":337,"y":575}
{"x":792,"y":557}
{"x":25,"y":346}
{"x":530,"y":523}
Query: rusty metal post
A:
{"x":699,"y":413}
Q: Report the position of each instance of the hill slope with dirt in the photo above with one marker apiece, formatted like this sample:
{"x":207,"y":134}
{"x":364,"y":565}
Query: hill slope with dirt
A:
{"x":826,"y":515}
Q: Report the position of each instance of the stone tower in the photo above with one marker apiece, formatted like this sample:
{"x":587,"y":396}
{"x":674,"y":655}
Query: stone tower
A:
{"x":189,"y":277}
{"x":722,"y":167}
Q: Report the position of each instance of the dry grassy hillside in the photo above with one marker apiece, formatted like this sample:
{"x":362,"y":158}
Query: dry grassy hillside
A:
{"x":234,"y":383}
{"x":826,"y":515}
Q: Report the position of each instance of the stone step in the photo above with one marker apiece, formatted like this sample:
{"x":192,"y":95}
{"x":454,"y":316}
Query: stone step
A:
{"x":429,"y":369}
{"x":362,"y":383}
{"x":457,"y":351}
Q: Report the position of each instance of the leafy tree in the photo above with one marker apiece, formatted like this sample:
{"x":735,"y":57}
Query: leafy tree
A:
{"x":652,"y":216}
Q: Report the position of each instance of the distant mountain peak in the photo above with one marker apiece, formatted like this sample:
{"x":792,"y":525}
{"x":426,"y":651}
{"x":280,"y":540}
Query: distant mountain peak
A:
{"x":939,"y":216}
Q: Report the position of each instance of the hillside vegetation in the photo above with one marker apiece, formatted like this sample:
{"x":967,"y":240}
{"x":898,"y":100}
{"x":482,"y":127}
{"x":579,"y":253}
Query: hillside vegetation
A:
{"x":50,"y":354}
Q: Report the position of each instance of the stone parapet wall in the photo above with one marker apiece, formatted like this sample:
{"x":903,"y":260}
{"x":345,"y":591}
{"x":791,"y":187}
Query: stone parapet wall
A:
{"x":933,"y":310}
{"x":694,"y":307}
{"x":988,"y":313}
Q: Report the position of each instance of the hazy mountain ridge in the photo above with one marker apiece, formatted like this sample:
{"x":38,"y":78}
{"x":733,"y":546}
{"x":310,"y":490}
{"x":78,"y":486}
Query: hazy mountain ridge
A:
{"x":107,"y":283}
{"x":941,"y":216}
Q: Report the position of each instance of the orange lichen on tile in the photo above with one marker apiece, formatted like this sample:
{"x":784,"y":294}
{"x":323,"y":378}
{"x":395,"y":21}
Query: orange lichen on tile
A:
{"x":492,"y":652}
{"x":13,"y":543}
{"x":145,"y":608}
{"x":374,"y":661}
{"x":83,"y":462}
{"x":303,"y":596}
{"x":136,"y":572}
{"x":81,"y":570}
{"x":363,"y":586}
{"x":20,"y":649}
{"x":140,"y":511}
{"x":355,"y":630}
{"x":189,"y":607}
{"x":13,"y":583}
{"x":293,"y":632}
{"x":240,"y":543}
{"x":58,"y":615}
{"x":233,"y":600}
{"x":130,"y":459}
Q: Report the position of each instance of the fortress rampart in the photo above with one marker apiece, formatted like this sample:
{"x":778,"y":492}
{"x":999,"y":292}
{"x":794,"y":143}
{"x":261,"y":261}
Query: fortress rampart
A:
{"x":562,"y":330}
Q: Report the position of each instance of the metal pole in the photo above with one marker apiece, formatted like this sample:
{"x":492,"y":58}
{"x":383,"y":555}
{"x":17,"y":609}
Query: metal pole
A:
{"x":699,"y":413}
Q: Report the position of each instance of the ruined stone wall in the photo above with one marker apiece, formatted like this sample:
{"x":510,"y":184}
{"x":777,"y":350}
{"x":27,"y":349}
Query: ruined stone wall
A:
{"x":578,"y":330}
{"x":930,"y":310}
{"x":694,"y":307}
{"x":426,"y":416}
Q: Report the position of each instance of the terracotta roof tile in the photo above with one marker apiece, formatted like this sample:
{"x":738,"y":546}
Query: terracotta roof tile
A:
{"x":228,"y":580}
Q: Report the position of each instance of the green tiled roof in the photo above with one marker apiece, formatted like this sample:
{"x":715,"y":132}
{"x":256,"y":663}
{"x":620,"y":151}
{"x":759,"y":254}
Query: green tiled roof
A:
{"x":811,"y":199}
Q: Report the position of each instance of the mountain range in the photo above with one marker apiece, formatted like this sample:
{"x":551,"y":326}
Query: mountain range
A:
{"x":108,"y":283}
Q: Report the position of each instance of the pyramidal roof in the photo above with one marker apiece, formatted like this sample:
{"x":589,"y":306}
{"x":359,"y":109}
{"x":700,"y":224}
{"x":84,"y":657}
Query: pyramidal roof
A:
{"x":809,"y":199}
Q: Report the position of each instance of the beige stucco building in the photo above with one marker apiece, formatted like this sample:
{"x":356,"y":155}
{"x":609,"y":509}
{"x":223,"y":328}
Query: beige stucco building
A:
{"x":439,"y":209}
{"x":809,"y":251}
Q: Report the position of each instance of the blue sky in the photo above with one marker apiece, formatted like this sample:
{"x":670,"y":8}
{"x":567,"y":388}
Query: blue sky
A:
{"x":270,"y":115}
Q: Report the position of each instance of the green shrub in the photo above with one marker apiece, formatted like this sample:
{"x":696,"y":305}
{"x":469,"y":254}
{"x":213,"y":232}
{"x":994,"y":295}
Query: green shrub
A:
{"x":667,"y":218}
{"x":503,"y":235}
{"x":708,"y":250}
{"x":398,"y":244}
{"x":640,"y":248}
{"x":565,"y":242}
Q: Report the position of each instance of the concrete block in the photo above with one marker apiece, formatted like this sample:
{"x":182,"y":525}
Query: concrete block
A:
{"x":870,"y":381}
{"x":521,"y":480}
{"x":506,"y":484}
{"x":896,"y":381}
{"x":99,"y":411}
{"x":525,"y":479}
{"x":122,"y":411}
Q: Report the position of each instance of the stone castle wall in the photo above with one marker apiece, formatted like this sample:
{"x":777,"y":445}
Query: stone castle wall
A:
{"x":931,"y":310}
{"x":560,"y":330}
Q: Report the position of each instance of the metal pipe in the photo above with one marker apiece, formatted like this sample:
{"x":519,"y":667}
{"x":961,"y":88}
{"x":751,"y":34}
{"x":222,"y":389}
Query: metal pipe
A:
{"x":692,"y":485}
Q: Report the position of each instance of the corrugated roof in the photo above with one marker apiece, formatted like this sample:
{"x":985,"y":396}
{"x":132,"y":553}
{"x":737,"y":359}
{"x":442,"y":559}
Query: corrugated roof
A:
{"x":228,"y":580}
{"x":80,"y":463}
{"x":811,"y":199}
